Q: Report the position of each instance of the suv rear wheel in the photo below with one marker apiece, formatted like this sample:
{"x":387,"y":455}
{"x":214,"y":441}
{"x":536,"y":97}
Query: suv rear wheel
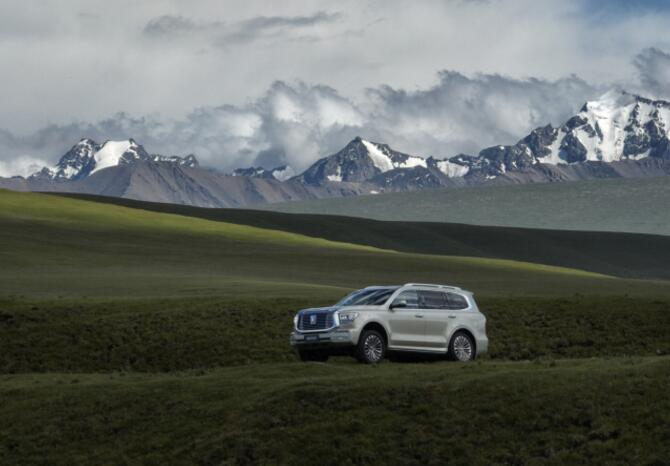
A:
{"x":461,"y":347}
{"x":371,"y":347}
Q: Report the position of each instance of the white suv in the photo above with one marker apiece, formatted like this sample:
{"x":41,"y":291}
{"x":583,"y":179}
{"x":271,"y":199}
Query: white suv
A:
{"x":415,"y":317}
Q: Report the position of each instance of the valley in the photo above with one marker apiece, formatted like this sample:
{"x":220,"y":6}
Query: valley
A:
{"x":634,"y":205}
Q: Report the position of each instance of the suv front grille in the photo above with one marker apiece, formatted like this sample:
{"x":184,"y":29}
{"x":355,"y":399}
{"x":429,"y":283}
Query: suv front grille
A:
{"x":314,"y":321}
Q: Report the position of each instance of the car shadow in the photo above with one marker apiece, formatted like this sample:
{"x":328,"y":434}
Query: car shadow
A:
{"x":405,"y":357}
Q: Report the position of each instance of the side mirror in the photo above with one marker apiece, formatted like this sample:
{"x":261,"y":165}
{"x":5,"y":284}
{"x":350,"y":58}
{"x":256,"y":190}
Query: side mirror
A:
{"x":398,"y":303}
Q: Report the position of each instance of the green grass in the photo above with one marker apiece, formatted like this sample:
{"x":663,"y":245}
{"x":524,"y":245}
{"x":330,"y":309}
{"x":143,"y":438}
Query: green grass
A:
{"x":623,"y":204}
{"x":157,"y":335}
{"x":135,"y":337}
{"x":53,"y":246}
{"x":577,"y":412}
{"x":620,"y":254}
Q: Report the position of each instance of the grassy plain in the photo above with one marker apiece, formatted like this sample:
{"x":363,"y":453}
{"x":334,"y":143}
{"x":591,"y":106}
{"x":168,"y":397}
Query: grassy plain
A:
{"x":135,"y":337}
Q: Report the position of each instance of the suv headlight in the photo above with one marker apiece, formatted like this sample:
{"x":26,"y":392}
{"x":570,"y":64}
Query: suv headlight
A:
{"x":347,"y":317}
{"x":295,"y":320}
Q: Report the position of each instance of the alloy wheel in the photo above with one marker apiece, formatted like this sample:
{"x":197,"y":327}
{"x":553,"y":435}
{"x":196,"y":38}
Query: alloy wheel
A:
{"x":373,"y":347}
{"x":462,"y":348}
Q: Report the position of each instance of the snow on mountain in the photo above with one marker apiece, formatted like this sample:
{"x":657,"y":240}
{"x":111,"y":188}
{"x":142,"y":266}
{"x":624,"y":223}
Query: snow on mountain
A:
{"x":114,"y":153}
{"x":618,"y":126}
{"x":386,"y":159}
{"x":88,"y":157}
{"x":74,"y":164}
{"x":361,"y":160}
{"x":452,"y":169}
{"x":617,"y":135}
{"x":282,"y":173}
{"x":188,"y":161}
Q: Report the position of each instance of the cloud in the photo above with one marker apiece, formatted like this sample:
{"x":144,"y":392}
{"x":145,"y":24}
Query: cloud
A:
{"x":221,"y":34}
{"x":22,"y":165}
{"x":297,"y":123}
{"x":653,"y":66}
{"x":169,"y":25}
{"x":465,"y":114}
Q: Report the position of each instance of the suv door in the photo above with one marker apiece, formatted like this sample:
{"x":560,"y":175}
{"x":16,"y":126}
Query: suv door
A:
{"x":406,"y":323}
{"x":434,"y":304}
{"x":444,"y":311}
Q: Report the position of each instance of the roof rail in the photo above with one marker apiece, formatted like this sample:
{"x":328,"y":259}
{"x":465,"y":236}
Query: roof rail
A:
{"x":433,"y":285}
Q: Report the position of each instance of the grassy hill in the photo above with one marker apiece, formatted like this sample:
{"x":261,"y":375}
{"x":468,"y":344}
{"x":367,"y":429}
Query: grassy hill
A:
{"x":55,"y":246}
{"x":626,"y":204}
{"x":620,"y":254}
{"x":137,"y":337}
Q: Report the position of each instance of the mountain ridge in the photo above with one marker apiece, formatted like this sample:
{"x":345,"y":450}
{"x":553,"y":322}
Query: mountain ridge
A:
{"x":620,"y":135}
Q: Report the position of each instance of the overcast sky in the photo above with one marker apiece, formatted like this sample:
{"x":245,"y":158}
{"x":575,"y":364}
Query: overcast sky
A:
{"x":267,"y":82}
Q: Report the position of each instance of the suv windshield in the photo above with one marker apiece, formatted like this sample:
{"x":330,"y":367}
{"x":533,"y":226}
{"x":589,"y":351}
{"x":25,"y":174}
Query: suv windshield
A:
{"x":367,"y":297}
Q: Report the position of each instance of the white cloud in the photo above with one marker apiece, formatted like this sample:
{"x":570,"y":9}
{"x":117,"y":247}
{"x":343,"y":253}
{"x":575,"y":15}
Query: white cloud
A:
{"x":297,"y":123}
{"x":653,"y":66}
{"x":23,"y":165}
{"x":225,"y":79}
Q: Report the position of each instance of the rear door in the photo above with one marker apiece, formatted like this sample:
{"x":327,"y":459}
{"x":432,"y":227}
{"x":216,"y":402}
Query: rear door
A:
{"x":406,"y":323}
{"x":449,"y":310}
{"x":437,"y":316}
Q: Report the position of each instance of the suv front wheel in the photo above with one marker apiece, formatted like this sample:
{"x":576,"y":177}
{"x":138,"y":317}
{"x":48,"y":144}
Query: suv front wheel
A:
{"x":371,"y":347}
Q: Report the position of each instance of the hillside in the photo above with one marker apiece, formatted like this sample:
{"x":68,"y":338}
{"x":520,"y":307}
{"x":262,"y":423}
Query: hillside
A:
{"x":54,"y":245}
{"x":113,"y":317}
{"x":619,"y":254}
{"x":632,"y":205}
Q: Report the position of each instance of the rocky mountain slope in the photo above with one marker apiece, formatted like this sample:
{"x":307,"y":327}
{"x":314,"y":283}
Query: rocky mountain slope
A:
{"x":618,"y":135}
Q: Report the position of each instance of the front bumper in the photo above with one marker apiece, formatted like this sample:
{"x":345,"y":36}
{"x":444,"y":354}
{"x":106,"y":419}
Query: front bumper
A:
{"x":335,"y":337}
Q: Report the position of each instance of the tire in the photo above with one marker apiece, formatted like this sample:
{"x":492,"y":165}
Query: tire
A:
{"x":306,"y":355}
{"x":462,"y":347}
{"x":371,"y":348}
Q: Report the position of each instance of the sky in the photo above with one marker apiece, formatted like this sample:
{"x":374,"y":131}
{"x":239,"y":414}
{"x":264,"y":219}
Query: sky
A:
{"x":241,"y":83}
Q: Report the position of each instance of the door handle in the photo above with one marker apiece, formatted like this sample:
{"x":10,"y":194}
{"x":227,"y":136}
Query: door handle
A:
{"x":418,"y":315}
{"x":451,"y":316}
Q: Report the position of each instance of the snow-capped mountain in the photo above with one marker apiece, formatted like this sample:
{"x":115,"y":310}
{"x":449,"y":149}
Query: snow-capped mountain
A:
{"x":383,"y":168}
{"x":77,"y":163}
{"x":360,"y":161}
{"x":598,"y":141}
{"x":88,"y":157}
{"x":618,"y":135}
{"x":617,"y":127}
{"x":282,"y":173}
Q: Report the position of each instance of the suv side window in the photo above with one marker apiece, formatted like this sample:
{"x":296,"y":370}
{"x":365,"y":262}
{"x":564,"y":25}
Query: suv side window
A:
{"x":456,"y":302}
{"x":432,"y":300}
{"x":410,"y":296}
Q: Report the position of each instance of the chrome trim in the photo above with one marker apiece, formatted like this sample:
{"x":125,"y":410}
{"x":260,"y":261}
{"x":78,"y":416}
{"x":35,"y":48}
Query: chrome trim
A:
{"x":433,"y":285}
{"x":336,"y":323}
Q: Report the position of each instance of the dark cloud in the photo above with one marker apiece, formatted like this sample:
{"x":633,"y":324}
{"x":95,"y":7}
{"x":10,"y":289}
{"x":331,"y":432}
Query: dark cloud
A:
{"x":222,"y":34}
{"x":653,"y":66}
{"x":464,"y":114}
{"x":271,"y":26}
{"x":169,"y":25}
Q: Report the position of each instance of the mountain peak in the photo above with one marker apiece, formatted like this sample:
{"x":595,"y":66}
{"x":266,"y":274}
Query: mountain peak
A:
{"x":87,"y":157}
{"x":618,"y":98}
